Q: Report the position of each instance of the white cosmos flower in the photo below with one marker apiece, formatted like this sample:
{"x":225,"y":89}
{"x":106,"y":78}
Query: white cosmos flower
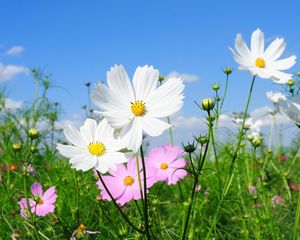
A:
{"x":135,"y":107}
{"x":254,"y":126}
{"x":275,"y":97}
{"x":290,"y":108}
{"x":94,"y":146}
{"x":261,"y":62}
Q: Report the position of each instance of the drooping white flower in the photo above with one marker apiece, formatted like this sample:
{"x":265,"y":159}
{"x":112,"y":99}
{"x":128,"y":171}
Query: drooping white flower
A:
{"x":94,"y":146}
{"x":290,"y":108}
{"x":260,"y":62}
{"x":135,"y":107}
{"x":275,"y":97}
{"x":253,"y":126}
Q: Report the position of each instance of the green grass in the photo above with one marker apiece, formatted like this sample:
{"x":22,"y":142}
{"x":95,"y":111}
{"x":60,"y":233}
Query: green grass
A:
{"x":235,"y":214}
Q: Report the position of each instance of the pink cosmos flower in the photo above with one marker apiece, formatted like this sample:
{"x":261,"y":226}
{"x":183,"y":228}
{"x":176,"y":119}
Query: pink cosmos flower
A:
{"x":24,"y":207}
{"x":295,"y":187}
{"x":123,"y":183}
{"x":277,"y":200}
{"x":44,"y":201}
{"x":168,"y":163}
{"x":42,"y":204}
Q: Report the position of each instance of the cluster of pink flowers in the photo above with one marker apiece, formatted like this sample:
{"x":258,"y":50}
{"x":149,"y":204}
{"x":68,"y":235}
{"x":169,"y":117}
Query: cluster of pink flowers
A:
{"x":42,"y":202}
{"x":162,"y":164}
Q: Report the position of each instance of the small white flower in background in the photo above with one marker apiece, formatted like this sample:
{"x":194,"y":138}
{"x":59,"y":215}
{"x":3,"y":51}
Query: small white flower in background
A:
{"x":135,"y":107}
{"x":290,"y":108}
{"x":275,"y":97}
{"x":260,"y":62}
{"x":253,"y":126}
{"x":94,"y":146}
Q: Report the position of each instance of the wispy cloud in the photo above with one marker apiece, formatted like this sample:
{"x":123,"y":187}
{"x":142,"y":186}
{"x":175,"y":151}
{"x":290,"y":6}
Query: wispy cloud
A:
{"x":15,"y":51}
{"x":13,"y":104}
{"x":7,"y":72}
{"x":185,"y":127}
{"x":185,"y":76}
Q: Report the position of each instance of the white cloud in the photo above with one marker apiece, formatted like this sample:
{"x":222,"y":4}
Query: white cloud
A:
{"x":7,"y":72}
{"x":13,"y":104}
{"x":15,"y":51}
{"x":186,"y":127}
{"x":185,"y":76}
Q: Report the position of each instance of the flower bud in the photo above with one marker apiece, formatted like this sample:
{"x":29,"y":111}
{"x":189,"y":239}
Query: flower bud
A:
{"x":216,"y":87}
{"x":202,"y":139}
{"x":189,"y":148}
{"x":161,"y":79}
{"x":211,"y":118}
{"x":33,"y":133}
{"x":227,"y":70}
{"x":291,"y":83}
{"x":17,"y":147}
{"x":298,"y":74}
{"x":208,"y":104}
{"x":34,"y":149}
{"x":250,"y":138}
{"x":256,"y":142}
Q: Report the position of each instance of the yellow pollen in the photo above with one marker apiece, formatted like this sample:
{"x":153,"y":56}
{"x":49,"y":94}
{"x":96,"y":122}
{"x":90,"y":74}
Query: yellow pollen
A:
{"x":260,"y":62}
{"x":40,"y":202}
{"x":97,"y":149}
{"x":81,"y":228}
{"x":164,"y":166}
{"x":128,"y":181}
{"x":138,"y":108}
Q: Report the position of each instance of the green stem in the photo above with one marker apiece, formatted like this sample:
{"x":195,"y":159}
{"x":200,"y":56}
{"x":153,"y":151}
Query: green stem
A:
{"x":145,"y":195}
{"x":229,"y":181}
{"x":215,"y":151}
{"x":118,"y":207}
{"x":295,"y":236}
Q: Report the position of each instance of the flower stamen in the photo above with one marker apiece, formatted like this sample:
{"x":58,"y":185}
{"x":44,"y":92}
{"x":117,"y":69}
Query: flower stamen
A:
{"x":164,"y":166}
{"x":138,"y":108}
{"x":128,"y":181}
{"x":260,"y":63}
{"x":97,"y":149}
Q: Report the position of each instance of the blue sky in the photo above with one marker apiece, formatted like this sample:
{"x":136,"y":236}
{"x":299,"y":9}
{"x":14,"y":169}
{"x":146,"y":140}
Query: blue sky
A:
{"x":78,"y":41}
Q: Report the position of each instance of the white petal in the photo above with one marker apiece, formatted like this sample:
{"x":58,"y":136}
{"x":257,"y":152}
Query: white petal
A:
{"x":280,"y":77}
{"x":84,"y":162}
{"x":257,"y":43}
{"x":135,"y":135}
{"x":241,"y":47}
{"x":108,"y":100}
{"x":117,"y":119}
{"x":283,"y":64}
{"x":166,"y":99}
{"x":145,"y":81}
{"x":153,"y":127}
{"x":87,"y":130}
{"x":118,"y":82}
{"x":275,"y":49}
{"x":240,"y":60}
{"x":74,"y":136}
{"x":103,"y":131}
{"x":70,"y":151}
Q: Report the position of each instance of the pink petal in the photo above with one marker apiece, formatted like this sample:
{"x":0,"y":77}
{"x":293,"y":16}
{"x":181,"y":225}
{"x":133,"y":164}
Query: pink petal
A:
{"x":115,"y":186}
{"x":37,"y":189}
{"x":120,"y":172}
{"x":50,"y":196}
{"x":43,"y":209}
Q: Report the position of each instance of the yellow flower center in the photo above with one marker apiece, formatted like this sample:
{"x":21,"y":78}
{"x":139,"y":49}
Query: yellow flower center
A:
{"x":260,"y":62}
{"x":97,"y":149}
{"x":40,"y":202}
{"x":164,"y":166}
{"x":138,"y":108}
{"x":128,"y":181}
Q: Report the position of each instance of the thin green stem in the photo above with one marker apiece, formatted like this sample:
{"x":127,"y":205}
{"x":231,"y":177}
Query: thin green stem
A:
{"x":215,"y":151}
{"x":145,"y":195}
{"x":117,"y":206}
{"x":296,"y":225}
{"x":241,"y":135}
